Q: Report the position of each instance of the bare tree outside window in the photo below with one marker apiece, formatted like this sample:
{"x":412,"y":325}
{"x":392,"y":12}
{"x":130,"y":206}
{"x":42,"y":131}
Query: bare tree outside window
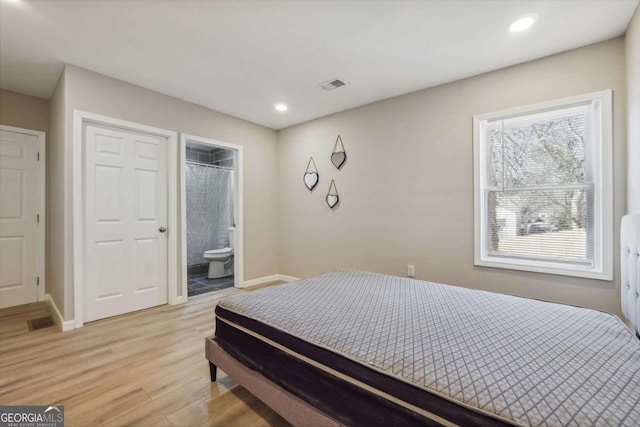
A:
{"x":538,"y":197}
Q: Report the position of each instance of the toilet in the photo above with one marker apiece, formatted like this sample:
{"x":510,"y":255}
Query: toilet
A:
{"x":221,"y":260}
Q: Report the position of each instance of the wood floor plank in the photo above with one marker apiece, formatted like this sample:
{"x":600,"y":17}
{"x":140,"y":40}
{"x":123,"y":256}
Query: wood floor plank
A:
{"x":145,"y":368}
{"x":236,"y":407}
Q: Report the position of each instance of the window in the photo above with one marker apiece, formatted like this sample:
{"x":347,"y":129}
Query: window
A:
{"x":543,"y":187}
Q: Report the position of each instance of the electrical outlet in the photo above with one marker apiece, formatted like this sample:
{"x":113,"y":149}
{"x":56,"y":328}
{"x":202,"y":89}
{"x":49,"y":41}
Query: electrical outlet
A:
{"x":411,"y":271}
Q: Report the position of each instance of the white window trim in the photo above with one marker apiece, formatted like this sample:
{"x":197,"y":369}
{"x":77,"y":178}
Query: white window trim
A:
{"x":602,"y":268}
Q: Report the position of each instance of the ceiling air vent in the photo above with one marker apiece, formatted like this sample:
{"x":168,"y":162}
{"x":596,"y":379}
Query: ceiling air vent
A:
{"x":332,"y":84}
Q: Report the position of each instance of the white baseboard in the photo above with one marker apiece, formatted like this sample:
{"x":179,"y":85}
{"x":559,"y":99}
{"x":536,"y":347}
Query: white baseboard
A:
{"x":267,"y":279}
{"x":64,"y":325}
{"x":286,"y":278}
{"x":177,"y":300}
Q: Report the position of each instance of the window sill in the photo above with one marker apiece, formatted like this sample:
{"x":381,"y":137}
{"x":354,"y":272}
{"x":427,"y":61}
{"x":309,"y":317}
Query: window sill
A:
{"x":545,"y":267}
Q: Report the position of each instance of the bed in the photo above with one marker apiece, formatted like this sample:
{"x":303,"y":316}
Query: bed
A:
{"x":363,"y":349}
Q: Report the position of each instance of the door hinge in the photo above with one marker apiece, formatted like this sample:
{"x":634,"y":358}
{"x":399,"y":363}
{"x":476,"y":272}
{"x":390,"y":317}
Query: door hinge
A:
{"x":38,"y":156}
{"x":38,"y":281}
{"x":38,"y":218}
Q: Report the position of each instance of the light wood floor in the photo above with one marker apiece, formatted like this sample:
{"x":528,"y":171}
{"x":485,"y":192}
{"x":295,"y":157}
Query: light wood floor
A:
{"x":145,"y":369}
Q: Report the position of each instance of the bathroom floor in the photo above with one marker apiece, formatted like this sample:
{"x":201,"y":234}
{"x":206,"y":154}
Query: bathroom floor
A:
{"x":200,"y":284}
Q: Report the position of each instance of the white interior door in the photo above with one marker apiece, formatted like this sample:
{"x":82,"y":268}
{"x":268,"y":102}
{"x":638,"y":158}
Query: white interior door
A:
{"x":125,"y":184}
{"x":18,"y":218}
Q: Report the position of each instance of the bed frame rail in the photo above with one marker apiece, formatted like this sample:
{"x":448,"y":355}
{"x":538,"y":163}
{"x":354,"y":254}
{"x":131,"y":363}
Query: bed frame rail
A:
{"x":290,"y":407}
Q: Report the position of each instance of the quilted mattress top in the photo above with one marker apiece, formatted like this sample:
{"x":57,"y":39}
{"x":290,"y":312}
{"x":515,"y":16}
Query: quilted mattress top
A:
{"x":524,"y":361}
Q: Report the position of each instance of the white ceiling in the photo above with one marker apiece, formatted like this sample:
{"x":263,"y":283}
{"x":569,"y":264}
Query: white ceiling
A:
{"x":241,"y":57}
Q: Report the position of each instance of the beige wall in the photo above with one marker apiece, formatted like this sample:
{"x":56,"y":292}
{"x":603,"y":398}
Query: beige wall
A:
{"x":95,"y":93}
{"x":406,"y":190}
{"x":23,"y":111}
{"x":56,"y":170}
{"x":632,"y":44}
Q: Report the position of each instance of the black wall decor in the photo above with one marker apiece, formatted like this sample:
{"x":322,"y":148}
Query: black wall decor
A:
{"x":311,"y":176}
{"x":339,"y":156}
{"x":332,"y":196}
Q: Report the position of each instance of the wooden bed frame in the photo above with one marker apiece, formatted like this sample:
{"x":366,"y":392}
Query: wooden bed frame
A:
{"x":300,"y":413}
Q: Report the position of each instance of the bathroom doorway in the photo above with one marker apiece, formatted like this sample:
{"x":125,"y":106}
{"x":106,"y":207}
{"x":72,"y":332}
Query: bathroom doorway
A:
{"x":211,"y":215}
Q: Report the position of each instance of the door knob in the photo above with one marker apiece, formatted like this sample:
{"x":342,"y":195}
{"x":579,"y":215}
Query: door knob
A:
{"x":162,"y":229}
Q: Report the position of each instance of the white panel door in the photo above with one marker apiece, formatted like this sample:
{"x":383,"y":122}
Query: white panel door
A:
{"x":18,"y":213}
{"x":125,"y":213}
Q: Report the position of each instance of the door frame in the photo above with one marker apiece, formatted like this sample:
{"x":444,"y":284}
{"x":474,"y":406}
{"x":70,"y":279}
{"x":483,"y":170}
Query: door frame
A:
{"x":238,"y":169}
{"x":80,"y":118}
{"x":41,"y":182}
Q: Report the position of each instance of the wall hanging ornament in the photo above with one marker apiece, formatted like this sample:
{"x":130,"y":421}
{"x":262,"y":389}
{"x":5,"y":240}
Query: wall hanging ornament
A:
{"x":332,"y":196}
{"x":311,"y":176}
{"x":339,"y":156}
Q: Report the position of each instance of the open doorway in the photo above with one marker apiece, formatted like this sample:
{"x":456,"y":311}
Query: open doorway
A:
{"x":212,"y":212}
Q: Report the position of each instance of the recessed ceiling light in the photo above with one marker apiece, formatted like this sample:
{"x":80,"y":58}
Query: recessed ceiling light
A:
{"x":522,"y":24}
{"x":281,"y":107}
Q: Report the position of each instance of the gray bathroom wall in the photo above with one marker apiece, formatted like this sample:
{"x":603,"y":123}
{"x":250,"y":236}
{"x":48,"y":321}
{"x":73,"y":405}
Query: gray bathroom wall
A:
{"x":213,"y":156}
{"x":210,"y":192}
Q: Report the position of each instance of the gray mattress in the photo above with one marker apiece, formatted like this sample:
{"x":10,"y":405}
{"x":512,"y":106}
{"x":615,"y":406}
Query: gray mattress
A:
{"x":523,"y":361}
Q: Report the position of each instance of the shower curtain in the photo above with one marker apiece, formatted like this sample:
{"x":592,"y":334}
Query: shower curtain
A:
{"x":209,"y":209}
